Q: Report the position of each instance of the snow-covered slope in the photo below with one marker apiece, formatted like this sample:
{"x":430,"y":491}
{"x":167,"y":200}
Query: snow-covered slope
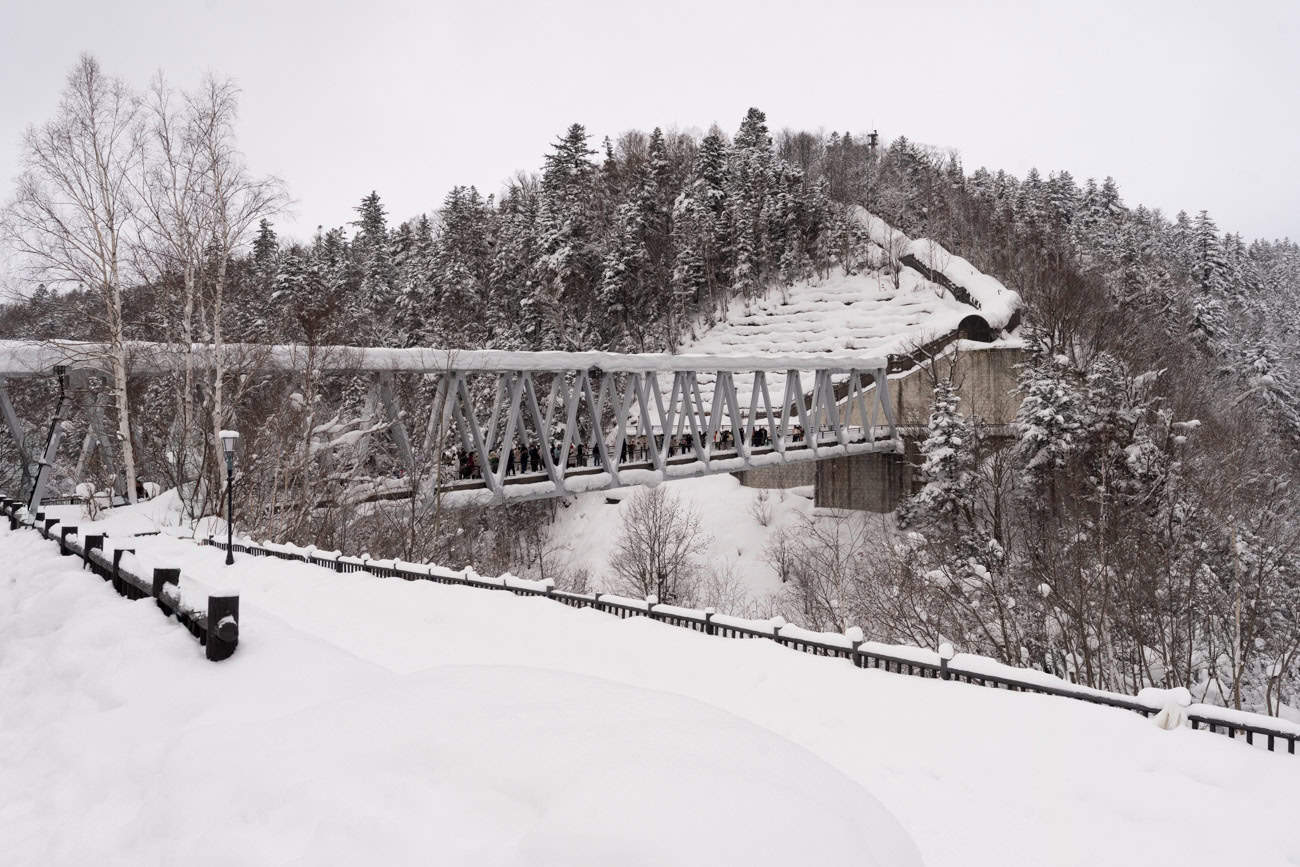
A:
{"x":366,"y":720}
{"x":587,"y":528}
{"x":887,"y":308}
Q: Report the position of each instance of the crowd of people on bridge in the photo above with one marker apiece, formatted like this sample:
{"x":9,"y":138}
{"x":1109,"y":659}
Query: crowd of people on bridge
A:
{"x":528,"y":457}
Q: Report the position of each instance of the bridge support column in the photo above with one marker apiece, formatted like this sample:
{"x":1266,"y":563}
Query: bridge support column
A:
{"x":868,"y":483}
{"x":52,"y":442}
{"x":15,"y":427}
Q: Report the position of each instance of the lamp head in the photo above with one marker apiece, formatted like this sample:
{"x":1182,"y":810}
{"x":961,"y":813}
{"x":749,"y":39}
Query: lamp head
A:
{"x":228,"y":440}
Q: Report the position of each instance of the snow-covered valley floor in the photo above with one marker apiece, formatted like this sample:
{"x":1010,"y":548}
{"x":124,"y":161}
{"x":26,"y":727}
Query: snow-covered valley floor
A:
{"x":375,"y":721}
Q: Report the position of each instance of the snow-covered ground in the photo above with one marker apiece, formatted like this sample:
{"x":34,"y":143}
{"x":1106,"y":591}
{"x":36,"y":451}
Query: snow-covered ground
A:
{"x":368,"y":720}
{"x":587,"y":529}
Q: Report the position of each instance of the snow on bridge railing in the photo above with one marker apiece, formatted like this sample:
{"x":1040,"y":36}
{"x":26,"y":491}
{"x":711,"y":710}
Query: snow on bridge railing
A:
{"x":23,"y":358}
{"x":214,"y":621}
{"x":1256,"y":729}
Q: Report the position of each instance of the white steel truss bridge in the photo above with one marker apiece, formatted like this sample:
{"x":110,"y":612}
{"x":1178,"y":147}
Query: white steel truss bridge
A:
{"x":512,"y":426}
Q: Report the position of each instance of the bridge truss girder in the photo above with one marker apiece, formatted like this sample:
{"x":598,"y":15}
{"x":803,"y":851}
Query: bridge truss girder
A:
{"x":600,"y":410}
{"x":828,"y":407}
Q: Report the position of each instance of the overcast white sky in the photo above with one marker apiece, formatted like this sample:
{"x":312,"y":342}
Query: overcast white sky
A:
{"x":1187,"y":104}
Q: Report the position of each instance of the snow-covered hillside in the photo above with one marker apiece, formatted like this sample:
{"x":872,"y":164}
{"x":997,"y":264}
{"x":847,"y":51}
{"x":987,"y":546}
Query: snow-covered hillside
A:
{"x":887,"y":307}
{"x":366,"y":720}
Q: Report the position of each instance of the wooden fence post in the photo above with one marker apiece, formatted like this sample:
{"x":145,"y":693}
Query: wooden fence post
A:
{"x":223,"y":627}
{"x":92,"y":542}
{"x":946,"y":653}
{"x":856,"y":638}
{"x":116,"y":575}
{"x":161,"y":578}
{"x":64,"y":531}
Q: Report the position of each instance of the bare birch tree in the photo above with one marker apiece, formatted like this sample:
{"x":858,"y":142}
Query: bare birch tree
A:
{"x":174,"y":230}
{"x":72,"y":219}
{"x":234,"y":202}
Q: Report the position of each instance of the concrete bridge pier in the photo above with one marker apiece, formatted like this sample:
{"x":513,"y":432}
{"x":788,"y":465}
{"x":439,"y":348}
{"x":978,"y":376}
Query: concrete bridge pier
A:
{"x":870,"y":483}
{"x":986,"y":381}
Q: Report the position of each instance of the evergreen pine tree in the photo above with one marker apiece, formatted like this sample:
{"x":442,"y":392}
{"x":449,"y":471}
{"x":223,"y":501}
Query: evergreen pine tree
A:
{"x":947,"y":462}
{"x":1050,"y":419}
{"x":569,"y":257}
{"x":750,"y":177}
{"x":370,"y":252}
{"x":265,"y":247}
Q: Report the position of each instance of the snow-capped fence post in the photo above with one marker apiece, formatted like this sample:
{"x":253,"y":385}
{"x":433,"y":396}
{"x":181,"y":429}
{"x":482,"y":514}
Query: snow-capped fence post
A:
{"x":49,"y":525}
{"x":651,"y":600}
{"x":595,"y":601}
{"x":855,"y":636}
{"x":92,"y":542}
{"x":709,"y":628}
{"x":777,"y":622}
{"x":116,"y":577}
{"x":223,"y":627}
{"x":64,"y":532}
{"x":161,"y":578}
{"x":946,"y":654}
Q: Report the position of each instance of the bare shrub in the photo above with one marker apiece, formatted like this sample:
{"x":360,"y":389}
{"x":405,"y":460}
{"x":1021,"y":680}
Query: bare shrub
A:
{"x":722,"y":588}
{"x":659,"y":548}
{"x":779,"y":553}
{"x":826,"y":557}
{"x":761,"y":508}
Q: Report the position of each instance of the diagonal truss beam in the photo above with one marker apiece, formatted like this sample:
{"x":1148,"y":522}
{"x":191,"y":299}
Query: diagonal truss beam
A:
{"x":596,"y":430}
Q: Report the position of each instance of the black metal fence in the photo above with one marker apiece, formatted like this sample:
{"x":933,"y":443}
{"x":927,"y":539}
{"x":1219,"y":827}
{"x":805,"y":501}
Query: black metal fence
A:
{"x":216,"y":626}
{"x":849,"y":647}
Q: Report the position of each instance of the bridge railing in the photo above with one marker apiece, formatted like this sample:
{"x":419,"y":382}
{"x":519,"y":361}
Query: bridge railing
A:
{"x":215,"y":623}
{"x":1255,"y":729}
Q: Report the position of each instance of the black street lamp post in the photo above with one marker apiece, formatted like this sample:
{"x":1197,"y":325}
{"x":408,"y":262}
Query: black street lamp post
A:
{"x":228,"y":440}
